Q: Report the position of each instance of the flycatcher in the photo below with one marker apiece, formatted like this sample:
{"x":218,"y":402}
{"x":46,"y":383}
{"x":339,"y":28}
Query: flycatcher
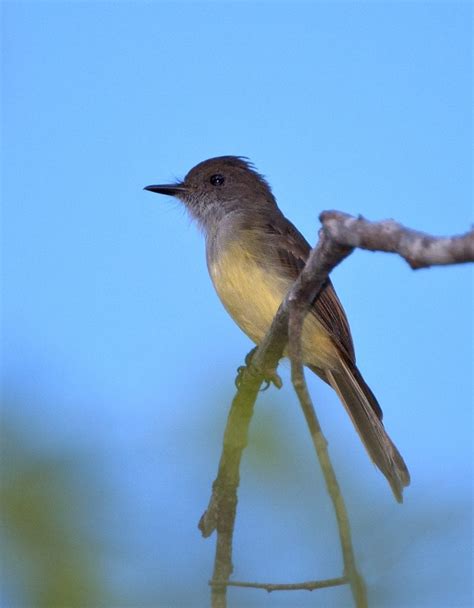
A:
{"x":254,"y":254}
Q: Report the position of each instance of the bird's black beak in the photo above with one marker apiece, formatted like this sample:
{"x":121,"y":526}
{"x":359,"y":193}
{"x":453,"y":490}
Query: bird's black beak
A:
{"x":169,"y":189}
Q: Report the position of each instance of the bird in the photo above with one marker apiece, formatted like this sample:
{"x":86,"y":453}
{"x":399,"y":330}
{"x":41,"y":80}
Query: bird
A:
{"x":254,"y":254}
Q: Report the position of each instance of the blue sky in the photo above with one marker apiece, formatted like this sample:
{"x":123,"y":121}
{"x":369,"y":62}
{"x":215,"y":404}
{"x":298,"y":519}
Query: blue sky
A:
{"x":116,"y":349}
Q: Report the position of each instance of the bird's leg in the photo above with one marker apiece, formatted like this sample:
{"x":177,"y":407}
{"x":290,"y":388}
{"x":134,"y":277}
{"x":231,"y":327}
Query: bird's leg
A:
{"x":270,"y":376}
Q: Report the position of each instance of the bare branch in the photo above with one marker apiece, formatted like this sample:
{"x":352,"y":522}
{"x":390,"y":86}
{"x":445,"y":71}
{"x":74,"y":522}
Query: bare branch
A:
{"x":306,"y":586}
{"x":298,"y":310}
{"x":420,"y":250}
{"x":221,"y":511}
{"x":339,"y":235}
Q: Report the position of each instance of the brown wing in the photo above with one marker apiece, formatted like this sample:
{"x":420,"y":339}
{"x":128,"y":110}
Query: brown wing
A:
{"x":360,"y":402}
{"x":293,"y":251}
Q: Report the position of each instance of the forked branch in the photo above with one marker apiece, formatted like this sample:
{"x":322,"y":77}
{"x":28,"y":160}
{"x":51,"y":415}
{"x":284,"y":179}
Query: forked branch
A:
{"x":339,"y":235}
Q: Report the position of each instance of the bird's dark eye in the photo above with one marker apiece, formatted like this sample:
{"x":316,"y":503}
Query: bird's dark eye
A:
{"x":217,"y":180}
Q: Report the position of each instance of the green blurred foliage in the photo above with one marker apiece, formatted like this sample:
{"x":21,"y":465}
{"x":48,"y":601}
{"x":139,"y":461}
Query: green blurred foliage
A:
{"x":48,"y":556}
{"x":62,"y":547}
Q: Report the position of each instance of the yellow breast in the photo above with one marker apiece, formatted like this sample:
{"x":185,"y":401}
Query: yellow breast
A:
{"x":252,"y":295}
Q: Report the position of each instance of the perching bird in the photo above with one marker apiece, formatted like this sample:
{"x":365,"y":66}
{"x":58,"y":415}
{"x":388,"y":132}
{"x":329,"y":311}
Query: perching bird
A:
{"x":254,"y":254}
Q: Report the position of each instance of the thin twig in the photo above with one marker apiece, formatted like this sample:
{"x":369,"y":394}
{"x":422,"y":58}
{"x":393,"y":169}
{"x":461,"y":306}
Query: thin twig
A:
{"x":306,"y":586}
{"x":221,"y":511}
{"x":297,"y":314}
{"x":321,"y":258}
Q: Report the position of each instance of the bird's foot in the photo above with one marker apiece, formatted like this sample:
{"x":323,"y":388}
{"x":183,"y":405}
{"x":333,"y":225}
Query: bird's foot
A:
{"x":269,"y":376}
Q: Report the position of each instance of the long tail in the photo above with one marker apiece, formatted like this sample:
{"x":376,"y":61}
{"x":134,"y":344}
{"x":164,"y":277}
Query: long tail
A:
{"x":366,"y":414}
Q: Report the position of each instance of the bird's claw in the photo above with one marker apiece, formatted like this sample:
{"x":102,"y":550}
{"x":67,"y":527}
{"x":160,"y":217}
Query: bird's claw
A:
{"x":238,"y":378}
{"x":270,"y":377}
